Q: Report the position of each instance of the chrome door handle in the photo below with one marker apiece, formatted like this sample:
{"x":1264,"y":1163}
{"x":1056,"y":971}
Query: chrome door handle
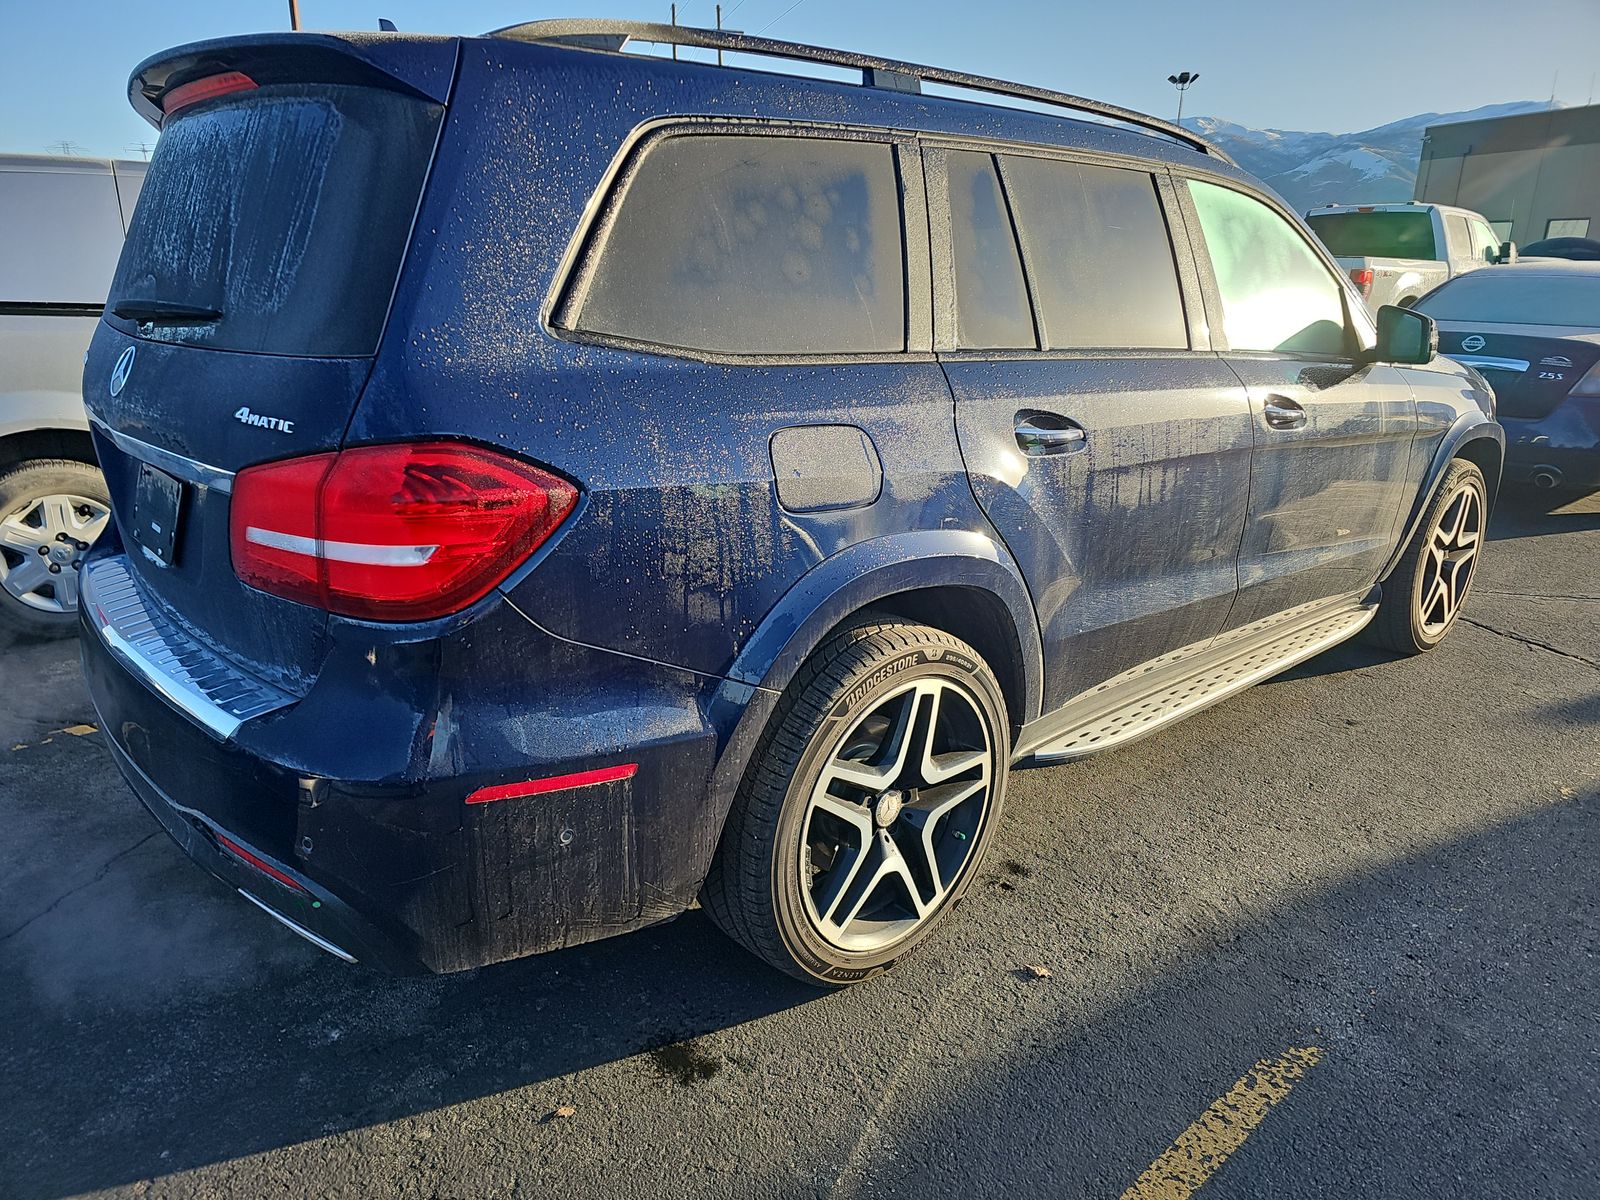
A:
{"x":1036,"y":439}
{"x":1283,"y":413}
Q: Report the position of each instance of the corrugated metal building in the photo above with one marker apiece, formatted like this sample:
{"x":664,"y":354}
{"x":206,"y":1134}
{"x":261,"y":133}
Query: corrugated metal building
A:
{"x":1534,"y":175}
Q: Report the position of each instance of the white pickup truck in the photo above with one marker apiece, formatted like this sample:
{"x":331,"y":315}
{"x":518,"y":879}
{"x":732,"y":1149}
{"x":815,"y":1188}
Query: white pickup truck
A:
{"x":1397,"y":253}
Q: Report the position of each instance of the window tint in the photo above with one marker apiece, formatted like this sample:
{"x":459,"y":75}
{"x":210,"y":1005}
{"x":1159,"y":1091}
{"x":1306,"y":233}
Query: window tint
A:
{"x":1097,"y":250}
{"x":755,"y":245}
{"x":1517,"y":297}
{"x":991,"y":296}
{"x":1276,"y":293}
{"x":1456,"y":236}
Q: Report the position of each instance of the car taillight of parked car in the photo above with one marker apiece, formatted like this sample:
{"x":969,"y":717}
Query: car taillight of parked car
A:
{"x":1589,"y":385}
{"x":401,"y":532}
{"x":1362,"y":278}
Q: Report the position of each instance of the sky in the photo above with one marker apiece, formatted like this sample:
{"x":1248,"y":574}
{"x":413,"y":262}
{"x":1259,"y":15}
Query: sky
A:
{"x":1330,"y":65}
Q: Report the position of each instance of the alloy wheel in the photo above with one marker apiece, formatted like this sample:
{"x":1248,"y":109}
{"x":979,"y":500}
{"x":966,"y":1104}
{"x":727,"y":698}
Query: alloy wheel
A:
{"x":1448,"y":561}
{"x":896,"y":814}
{"x":42,"y":546}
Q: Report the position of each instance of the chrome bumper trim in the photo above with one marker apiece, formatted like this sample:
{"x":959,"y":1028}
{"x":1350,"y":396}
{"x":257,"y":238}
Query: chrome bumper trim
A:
{"x":189,"y":469}
{"x":320,"y":942}
{"x":195,"y":680}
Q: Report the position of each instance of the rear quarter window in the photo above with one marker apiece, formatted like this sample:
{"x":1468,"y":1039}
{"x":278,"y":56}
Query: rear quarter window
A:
{"x":1097,"y":249}
{"x":753,"y":244}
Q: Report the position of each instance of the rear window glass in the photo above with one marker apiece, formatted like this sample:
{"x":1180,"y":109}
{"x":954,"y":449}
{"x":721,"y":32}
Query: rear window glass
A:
{"x":286,"y":209}
{"x":1503,"y":295}
{"x":755,"y":245}
{"x":1376,"y":234}
{"x":991,"y":296}
{"x":1098,"y":253}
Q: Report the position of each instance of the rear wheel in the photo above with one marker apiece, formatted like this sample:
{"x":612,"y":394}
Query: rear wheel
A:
{"x":1424,"y":594}
{"x":51,"y":511}
{"x":867,"y":808}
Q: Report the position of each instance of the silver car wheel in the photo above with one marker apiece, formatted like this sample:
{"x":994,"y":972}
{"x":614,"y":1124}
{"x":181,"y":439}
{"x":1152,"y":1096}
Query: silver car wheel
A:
{"x":1449,"y":559}
{"x":895,"y":815}
{"x":42,"y":545}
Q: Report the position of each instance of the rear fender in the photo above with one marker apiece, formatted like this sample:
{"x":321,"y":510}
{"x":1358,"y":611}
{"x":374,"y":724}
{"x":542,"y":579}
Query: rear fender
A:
{"x":866,"y":574}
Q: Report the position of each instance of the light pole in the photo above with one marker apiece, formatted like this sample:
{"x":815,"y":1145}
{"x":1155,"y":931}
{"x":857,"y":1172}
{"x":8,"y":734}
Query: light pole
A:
{"x":1182,"y":81}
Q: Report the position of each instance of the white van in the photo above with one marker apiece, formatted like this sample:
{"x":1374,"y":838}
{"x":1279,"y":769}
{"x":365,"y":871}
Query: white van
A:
{"x":62,"y":222}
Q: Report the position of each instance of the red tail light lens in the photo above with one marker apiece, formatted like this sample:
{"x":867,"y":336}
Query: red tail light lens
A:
{"x":1362,"y":278}
{"x":391,"y":533}
{"x":208,"y":88}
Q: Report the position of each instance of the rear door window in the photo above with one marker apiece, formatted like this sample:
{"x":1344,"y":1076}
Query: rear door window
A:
{"x":1456,"y":237}
{"x":1277,"y":295}
{"x":1098,"y":253}
{"x":287,"y":209}
{"x":992,"y":310}
{"x":754,"y":244}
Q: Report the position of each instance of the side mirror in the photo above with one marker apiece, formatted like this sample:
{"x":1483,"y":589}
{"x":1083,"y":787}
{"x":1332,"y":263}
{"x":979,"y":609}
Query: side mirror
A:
{"x":1508,"y":253}
{"x":1405,"y":336}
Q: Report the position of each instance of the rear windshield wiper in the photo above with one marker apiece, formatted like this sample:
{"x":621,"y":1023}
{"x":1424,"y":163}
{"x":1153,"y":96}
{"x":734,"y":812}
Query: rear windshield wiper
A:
{"x":165,"y":312}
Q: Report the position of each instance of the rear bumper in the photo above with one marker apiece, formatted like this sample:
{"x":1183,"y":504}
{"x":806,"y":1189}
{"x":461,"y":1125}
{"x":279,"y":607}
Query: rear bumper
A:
{"x":1567,"y":440}
{"x":344,"y":813}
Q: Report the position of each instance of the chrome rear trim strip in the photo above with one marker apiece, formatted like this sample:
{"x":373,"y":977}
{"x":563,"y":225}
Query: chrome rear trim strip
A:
{"x":195,"y":680}
{"x":173,"y":463}
{"x":320,"y":942}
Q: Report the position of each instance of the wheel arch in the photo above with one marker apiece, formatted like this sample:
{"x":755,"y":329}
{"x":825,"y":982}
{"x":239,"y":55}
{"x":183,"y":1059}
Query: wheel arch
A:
{"x":24,"y":445}
{"x":1474,"y":437}
{"x":961,"y":582}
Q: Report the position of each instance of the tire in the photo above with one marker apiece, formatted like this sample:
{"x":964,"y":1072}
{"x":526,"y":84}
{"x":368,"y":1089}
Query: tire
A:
{"x":810,"y":874}
{"x":1406,"y":303}
{"x":1424,"y":594}
{"x":39,"y":500}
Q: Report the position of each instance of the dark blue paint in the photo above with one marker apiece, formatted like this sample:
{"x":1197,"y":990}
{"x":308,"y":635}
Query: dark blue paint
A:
{"x":662,"y":623}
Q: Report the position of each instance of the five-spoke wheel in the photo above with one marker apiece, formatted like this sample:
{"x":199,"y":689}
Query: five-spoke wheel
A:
{"x":1423,"y":595}
{"x":869,"y":806}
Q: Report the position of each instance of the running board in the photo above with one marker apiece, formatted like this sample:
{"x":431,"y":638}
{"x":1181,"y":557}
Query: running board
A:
{"x":1177,"y":685}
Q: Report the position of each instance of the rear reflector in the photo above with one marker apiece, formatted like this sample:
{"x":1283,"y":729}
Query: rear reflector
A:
{"x":208,"y":88}
{"x":554,"y":783}
{"x":392,"y":533}
{"x":260,"y":864}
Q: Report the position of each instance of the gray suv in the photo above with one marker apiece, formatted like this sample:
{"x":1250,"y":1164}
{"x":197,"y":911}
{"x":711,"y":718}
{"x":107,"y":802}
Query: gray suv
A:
{"x":63,"y":221}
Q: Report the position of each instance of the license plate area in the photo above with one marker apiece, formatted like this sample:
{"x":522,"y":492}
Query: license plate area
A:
{"x":157,"y":505}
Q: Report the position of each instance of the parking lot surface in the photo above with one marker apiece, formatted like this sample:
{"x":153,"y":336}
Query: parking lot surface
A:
{"x":1342,"y":928}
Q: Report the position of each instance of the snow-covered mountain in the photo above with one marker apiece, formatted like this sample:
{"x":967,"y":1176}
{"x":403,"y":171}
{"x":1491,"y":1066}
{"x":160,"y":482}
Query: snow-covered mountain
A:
{"x":1373,"y":166}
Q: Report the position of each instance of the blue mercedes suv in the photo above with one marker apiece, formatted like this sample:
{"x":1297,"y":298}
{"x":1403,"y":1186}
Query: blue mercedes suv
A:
{"x":555,"y":486}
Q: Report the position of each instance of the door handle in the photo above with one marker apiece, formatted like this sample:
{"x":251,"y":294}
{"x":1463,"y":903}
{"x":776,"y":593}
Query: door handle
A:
{"x":1040,"y":434}
{"x":1283,"y":413}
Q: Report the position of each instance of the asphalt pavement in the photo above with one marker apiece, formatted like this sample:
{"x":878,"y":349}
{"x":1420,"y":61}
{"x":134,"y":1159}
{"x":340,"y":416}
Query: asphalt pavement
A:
{"x":1334,"y":937}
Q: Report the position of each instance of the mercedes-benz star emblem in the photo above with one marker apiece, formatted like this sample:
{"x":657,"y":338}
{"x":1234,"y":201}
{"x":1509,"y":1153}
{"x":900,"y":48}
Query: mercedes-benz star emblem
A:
{"x":120,"y":372}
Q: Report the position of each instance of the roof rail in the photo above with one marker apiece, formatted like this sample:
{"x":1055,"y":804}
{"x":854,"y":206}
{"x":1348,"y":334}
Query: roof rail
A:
{"x":875,"y":71}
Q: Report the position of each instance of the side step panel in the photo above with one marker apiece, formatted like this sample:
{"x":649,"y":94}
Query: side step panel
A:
{"x":1180,"y":684}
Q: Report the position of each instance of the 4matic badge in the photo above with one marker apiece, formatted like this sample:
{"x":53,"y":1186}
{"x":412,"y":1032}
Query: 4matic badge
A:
{"x":264,"y":422}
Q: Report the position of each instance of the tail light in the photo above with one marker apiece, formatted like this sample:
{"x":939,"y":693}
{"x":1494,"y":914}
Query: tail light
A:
{"x":207,"y":88}
{"x":391,"y":533}
{"x":1589,"y":385}
{"x":1362,"y":278}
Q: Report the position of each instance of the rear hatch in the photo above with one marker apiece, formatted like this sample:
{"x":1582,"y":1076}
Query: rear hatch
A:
{"x":252,"y":291}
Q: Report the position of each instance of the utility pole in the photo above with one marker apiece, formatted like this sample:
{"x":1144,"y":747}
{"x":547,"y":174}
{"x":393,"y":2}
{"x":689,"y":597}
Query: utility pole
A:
{"x":674,"y":25}
{"x":294,"y":15}
{"x":719,"y":48}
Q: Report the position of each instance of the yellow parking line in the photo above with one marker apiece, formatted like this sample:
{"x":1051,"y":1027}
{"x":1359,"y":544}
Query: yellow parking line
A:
{"x":1203,"y":1147}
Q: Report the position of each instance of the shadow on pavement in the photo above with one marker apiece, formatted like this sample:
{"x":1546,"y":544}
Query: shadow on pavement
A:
{"x":1454,"y":996}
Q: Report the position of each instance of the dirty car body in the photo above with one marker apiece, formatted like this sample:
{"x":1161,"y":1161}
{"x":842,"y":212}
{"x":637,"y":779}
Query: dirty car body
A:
{"x":550,"y":757}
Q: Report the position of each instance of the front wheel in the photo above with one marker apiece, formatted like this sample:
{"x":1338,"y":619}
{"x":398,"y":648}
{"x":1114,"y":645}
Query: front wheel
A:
{"x":1424,"y":594}
{"x":868,"y":806}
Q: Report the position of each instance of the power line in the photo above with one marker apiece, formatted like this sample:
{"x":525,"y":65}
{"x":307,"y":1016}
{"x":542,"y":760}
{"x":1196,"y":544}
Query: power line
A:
{"x":779,"y":17}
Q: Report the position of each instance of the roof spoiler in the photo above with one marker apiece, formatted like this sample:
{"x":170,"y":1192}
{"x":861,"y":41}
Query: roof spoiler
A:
{"x":423,"y":67}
